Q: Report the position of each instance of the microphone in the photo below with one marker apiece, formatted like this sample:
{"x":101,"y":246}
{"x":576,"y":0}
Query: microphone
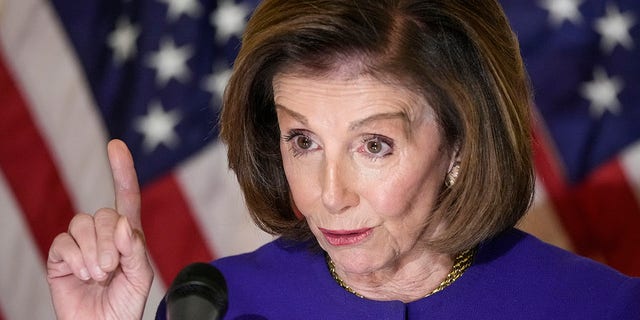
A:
{"x":198,"y":292}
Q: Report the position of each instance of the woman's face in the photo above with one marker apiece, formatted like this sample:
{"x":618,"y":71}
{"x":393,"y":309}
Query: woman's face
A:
{"x":365,"y":162}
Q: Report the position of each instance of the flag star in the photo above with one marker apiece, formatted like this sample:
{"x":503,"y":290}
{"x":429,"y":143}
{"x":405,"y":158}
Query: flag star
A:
{"x":176,"y":8}
{"x":229,"y":19}
{"x":561,"y":10}
{"x":122,"y":40}
{"x":602,"y":92}
{"x":614,"y":28}
{"x":158,"y":127}
{"x":217,"y":82}
{"x":171,"y":62}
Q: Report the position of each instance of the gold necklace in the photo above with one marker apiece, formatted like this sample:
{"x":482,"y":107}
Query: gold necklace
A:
{"x":460,"y":264}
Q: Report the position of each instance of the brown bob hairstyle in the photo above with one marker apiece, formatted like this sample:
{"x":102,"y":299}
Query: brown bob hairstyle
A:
{"x":461,"y":55}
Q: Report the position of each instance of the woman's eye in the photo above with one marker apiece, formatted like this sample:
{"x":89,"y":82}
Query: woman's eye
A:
{"x":377,"y":146}
{"x":374,"y":146}
{"x":303,"y":142}
{"x":299,"y":142}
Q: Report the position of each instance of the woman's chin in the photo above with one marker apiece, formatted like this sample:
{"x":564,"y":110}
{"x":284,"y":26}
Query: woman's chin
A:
{"x":357,"y":262}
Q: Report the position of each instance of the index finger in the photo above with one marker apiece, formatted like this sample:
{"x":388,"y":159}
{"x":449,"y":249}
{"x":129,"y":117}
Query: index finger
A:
{"x":125,"y":182}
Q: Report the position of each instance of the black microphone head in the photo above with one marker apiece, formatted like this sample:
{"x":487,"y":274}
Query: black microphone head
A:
{"x":199,"y":291}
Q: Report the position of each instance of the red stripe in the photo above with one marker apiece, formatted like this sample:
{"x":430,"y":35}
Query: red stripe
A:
{"x":611,"y":209}
{"x":601,"y":215}
{"x":174,"y":238}
{"x":29,"y":167}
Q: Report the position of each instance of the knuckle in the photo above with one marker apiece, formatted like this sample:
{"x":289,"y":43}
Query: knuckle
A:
{"x":105,"y":217}
{"x":61,"y":241}
{"x":63,"y":248}
{"x":105,"y":223}
{"x":61,"y":237}
{"x":105,"y":212}
{"x":56,"y":246}
{"x":80,"y":222}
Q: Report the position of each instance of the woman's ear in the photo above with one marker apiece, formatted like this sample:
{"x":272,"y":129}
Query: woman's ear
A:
{"x":455,"y":157}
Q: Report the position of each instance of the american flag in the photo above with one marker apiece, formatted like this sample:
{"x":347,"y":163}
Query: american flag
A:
{"x":74,"y":74}
{"x":584,"y":62}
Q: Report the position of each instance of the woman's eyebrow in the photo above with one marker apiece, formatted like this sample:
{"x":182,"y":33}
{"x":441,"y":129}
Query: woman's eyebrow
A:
{"x":401,"y":115}
{"x":382,"y":116}
{"x":302,"y":119}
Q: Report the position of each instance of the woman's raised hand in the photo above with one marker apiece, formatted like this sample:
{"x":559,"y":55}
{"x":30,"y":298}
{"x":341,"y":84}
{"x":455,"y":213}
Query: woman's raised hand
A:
{"x":99,"y":268}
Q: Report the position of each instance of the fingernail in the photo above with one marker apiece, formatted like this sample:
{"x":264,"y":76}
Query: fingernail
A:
{"x":105,"y":260}
{"x":99,"y":273}
{"x":84,"y":274}
{"x":129,"y":229}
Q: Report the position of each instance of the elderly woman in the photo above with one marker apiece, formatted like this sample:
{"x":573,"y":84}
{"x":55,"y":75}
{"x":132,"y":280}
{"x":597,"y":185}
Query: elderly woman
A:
{"x":387,"y":143}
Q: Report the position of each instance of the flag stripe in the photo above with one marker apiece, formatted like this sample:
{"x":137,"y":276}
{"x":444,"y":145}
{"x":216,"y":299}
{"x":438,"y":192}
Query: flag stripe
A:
{"x":62,"y":108}
{"x":630,"y":161}
{"x":610,"y":206}
{"x":23,"y":286}
{"x":217,"y":202}
{"x":167,"y":218}
{"x":156,"y":295}
{"x":29,"y":168}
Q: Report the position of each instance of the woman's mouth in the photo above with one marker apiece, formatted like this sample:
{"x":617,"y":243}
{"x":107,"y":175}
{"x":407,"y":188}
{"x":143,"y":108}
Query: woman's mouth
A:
{"x":345,"y":237}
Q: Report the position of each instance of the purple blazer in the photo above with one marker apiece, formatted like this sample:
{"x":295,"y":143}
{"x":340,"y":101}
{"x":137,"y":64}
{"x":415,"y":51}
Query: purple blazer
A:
{"x":513,"y":276}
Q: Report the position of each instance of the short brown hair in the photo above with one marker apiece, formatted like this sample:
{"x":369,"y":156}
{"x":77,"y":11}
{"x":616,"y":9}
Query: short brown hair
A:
{"x":460,"y":54}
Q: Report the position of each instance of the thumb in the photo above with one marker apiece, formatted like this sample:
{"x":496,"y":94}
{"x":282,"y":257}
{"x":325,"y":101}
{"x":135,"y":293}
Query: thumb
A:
{"x":125,"y":182}
{"x":133,"y":255}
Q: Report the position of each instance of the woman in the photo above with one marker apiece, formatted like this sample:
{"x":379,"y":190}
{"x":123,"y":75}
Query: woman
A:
{"x":388,"y":144}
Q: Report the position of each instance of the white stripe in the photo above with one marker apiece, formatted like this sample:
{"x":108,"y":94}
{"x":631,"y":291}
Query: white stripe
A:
{"x":540,"y":194}
{"x":24,"y":293}
{"x":48,"y":75}
{"x":630,"y":161}
{"x":214,"y":194}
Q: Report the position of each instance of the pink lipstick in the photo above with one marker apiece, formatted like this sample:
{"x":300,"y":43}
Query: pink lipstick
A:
{"x":345,"y":237}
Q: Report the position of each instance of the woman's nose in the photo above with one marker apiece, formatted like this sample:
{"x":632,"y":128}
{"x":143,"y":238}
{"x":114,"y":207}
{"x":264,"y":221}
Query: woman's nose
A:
{"x":338,"y":194}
